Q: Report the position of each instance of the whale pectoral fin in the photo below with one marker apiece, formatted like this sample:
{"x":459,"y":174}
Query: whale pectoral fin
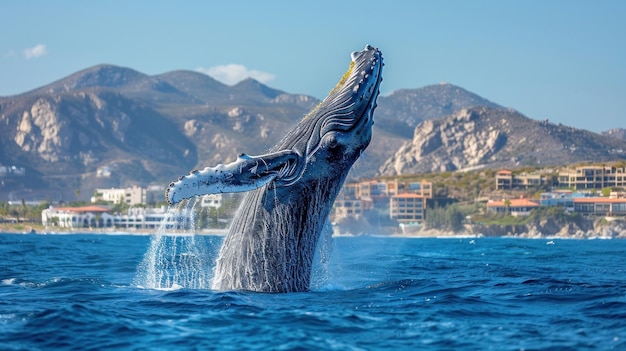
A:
{"x":245,"y":174}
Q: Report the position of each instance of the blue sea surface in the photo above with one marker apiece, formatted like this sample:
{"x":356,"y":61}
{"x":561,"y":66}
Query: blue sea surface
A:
{"x":88,"y":292}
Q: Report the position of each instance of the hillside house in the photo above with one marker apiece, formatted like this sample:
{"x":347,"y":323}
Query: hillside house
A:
{"x":406,"y":200}
{"x":407,"y":208}
{"x":506,"y":180}
{"x":515,"y":207}
{"x":134,"y":195}
{"x":561,"y":198}
{"x":592,"y":177}
{"x":600,"y":206}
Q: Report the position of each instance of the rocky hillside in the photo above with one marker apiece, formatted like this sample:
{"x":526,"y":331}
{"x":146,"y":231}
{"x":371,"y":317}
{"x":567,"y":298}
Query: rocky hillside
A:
{"x":110,"y":126}
{"x":497,"y":138}
{"x":61,"y":140}
{"x":403,"y":110}
{"x":617,"y":133}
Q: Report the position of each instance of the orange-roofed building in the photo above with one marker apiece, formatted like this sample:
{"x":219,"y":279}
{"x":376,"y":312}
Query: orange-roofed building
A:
{"x":77,"y":217}
{"x":600,"y":206}
{"x":516,"y":207}
{"x":83,"y":209}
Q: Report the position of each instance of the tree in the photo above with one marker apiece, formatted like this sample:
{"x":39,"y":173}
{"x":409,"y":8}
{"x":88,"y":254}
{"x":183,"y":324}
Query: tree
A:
{"x":23,"y":211}
{"x":445,"y":218}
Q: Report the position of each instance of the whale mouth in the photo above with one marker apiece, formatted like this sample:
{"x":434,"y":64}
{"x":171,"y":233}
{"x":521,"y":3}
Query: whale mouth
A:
{"x":369,"y":89}
{"x":350,"y":105}
{"x":353,"y":100}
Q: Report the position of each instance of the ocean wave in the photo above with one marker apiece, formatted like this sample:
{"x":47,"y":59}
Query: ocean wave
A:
{"x":79,"y":293}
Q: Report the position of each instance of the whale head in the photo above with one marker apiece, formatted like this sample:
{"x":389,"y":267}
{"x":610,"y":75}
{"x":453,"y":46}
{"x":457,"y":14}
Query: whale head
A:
{"x":339,"y":129}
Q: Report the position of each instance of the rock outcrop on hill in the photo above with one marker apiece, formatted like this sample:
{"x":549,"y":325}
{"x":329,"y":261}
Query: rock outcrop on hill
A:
{"x":497,"y":138}
{"x":617,"y":133}
{"x":404,"y":109}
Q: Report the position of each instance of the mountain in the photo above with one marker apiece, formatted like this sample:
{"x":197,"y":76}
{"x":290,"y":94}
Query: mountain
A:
{"x":64,"y":139}
{"x":617,"y":133}
{"x":110,"y":126}
{"x":497,"y":138}
{"x":401,"y":111}
{"x":98,"y":76}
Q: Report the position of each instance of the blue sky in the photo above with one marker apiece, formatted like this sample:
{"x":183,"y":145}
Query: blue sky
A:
{"x":559,"y":60}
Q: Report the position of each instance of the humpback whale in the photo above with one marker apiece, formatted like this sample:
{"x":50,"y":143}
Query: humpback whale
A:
{"x":290,"y":190}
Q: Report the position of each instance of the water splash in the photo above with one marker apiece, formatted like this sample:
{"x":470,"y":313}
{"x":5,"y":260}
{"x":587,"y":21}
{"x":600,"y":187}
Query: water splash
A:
{"x":326,"y":263}
{"x":176,"y":257}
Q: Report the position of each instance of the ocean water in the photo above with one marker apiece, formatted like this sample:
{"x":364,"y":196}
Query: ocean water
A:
{"x":125,"y":292}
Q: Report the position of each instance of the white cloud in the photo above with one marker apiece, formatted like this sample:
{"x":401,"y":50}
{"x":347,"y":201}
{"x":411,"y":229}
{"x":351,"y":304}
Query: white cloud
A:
{"x":38,"y":50}
{"x":234,"y":73}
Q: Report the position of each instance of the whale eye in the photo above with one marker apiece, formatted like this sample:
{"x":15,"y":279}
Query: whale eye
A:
{"x":330,"y":141}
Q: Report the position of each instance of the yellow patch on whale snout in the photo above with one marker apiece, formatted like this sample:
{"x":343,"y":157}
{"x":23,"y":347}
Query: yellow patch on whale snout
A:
{"x":343,"y":79}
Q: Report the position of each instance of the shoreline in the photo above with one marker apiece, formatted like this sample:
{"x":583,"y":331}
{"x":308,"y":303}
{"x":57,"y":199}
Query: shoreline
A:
{"x":40,"y":230}
{"x":424,"y":234}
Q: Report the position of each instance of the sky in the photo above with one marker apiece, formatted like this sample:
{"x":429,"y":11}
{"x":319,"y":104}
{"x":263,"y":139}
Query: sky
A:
{"x":561,"y":60}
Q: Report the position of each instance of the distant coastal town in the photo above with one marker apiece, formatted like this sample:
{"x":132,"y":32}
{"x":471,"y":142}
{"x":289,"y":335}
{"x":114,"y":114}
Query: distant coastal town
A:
{"x":584,"y":199}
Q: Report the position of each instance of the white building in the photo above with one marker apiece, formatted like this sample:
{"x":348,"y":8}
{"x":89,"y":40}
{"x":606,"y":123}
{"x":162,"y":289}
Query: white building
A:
{"x":131,"y":196}
{"x":77,"y":217}
{"x":211,"y":200}
{"x":100,"y":217}
{"x":153,"y":218}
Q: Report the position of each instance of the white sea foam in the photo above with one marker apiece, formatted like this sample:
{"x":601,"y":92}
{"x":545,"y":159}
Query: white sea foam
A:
{"x":8,"y":281}
{"x":175,"y":260}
